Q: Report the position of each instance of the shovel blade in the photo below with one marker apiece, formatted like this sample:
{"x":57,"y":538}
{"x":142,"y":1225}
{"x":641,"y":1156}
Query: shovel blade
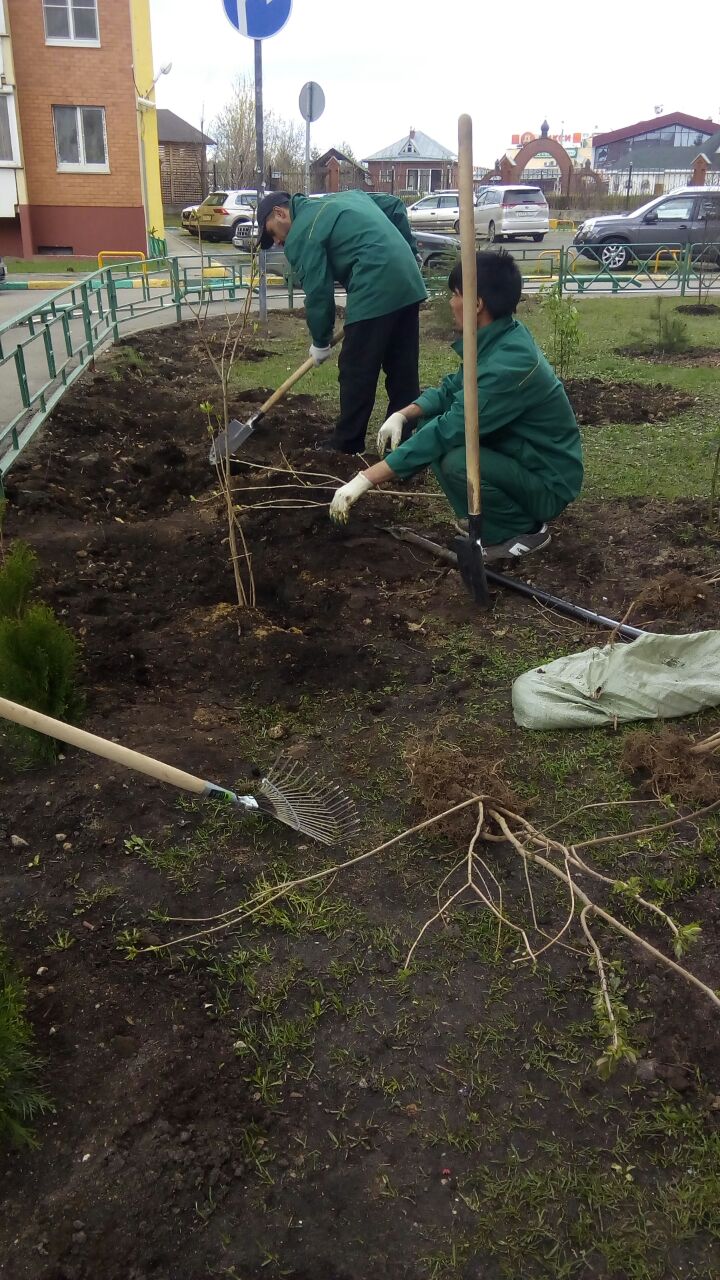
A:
{"x":228,"y":442}
{"x":471,"y":563}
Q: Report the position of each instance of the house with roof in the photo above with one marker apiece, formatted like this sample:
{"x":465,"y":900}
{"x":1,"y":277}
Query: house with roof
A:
{"x":652,"y":156}
{"x":334,"y":171}
{"x":415,"y":163}
{"x":183,"y":160}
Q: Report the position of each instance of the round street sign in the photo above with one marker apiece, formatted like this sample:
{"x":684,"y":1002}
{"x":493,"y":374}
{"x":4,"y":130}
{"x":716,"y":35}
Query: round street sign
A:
{"x":258,"y":19}
{"x":312,"y":102}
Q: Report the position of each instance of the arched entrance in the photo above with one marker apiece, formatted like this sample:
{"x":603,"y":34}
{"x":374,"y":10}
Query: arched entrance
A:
{"x":512,"y":170}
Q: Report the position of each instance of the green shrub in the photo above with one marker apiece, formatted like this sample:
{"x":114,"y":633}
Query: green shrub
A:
{"x":21,"y":1098}
{"x":667,"y":332}
{"x":565,"y":331}
{"x":38,"y":667}
{"x":18,"y":572}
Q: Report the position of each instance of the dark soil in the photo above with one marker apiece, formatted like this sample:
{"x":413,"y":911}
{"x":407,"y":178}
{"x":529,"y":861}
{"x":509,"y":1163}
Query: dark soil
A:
{"x":171,"y":1155}
{"x":693,"y":357}
{"x":699,"y":309}
{"x":597,"y":402}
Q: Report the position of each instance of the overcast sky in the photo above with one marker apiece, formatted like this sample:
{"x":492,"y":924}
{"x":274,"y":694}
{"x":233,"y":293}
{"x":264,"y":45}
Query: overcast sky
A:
{"x":387,"y":65}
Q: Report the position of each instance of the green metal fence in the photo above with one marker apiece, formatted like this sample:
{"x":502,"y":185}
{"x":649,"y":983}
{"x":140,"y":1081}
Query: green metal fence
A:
{"x":44,"y":350}
{"x":47,"y":347}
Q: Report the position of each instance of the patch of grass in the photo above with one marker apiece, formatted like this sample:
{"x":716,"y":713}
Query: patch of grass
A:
{"x":22,"y":1098}
{"x":50,"y":266}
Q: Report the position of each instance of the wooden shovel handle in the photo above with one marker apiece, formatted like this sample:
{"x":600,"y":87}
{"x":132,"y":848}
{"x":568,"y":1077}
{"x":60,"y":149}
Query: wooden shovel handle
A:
{"x":101,"y":747}
{"x":468,"y":252}
{"x":294,"y":377}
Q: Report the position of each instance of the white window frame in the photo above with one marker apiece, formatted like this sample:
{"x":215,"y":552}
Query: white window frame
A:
{"x":3,"y":20}
{"x":64,"y":42}
{"x":14,"y":162}
{"x":82,"y":167}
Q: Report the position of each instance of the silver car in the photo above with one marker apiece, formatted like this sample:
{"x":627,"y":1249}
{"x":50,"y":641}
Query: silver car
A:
{"x":507,"y":213}
{"x":224,"y":213}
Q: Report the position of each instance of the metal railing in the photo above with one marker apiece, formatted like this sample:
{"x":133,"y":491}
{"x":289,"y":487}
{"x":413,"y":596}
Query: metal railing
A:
{"x":46,"y":348}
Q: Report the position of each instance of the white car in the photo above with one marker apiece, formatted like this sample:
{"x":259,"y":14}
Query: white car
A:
{"x":188,"y":219}
{"x":506,"y":213}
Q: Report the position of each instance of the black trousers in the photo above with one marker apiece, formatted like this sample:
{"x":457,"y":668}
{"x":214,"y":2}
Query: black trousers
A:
{"x":390,"y":343}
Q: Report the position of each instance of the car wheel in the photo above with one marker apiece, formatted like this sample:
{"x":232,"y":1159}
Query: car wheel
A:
{"x":538,"y":239}
{"x":614,"y":255}
{"x":456,"y":227}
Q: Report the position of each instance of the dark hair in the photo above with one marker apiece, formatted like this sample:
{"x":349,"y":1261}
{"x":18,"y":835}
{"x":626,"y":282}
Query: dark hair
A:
{"x":499,"y":282}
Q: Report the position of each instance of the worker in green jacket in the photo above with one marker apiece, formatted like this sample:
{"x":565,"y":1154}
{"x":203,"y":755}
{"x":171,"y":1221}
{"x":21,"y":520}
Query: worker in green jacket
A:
{"x":530,"y":450}
{"x":364,"y":243}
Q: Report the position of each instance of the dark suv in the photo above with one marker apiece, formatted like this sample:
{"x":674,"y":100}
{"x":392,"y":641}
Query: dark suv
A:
{"x":688,"y":215}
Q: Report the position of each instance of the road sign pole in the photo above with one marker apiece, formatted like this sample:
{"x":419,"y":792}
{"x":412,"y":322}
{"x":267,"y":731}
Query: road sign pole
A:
{"x":312,"y":105}
{"x":260,"y":175}
{"x":307,"y":157}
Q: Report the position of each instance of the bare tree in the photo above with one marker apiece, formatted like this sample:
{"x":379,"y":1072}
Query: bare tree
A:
{"x":234,"y":131}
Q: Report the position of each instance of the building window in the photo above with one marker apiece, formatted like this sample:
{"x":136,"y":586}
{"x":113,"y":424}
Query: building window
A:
{"x":9,"y":149}
{"x":71,"y":22}
{"x":81,"y":139}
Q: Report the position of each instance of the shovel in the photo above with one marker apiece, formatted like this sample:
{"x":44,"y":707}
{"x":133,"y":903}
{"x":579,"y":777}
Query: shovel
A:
{"x":227,"y":443}
{"x":471,"y":561}
{"x":290,"y":792}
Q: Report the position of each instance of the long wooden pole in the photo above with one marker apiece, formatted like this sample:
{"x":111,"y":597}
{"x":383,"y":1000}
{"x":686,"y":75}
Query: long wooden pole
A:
{"x":469,"y":275}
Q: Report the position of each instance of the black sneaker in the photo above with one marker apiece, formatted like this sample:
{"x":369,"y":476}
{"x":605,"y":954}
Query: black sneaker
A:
{"x":518,"y":546}
{"x":328,"y":444}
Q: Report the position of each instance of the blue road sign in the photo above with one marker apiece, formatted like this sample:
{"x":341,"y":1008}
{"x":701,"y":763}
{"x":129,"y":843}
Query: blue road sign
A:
{"x":258,"y":19}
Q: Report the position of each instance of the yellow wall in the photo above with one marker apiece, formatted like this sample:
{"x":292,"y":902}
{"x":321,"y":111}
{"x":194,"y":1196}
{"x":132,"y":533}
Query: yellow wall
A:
{"x":147,"y":117}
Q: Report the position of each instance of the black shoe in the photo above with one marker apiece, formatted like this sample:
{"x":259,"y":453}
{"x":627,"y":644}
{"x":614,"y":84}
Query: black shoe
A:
{"x":328,"y":444}
{"x":518,"y":546}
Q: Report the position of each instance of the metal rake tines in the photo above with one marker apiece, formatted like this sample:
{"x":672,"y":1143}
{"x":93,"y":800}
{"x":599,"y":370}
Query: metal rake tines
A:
{"x":307,"y":803}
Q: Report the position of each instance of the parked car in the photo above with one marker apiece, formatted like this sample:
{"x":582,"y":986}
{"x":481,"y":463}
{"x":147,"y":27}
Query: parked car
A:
{"x":509,"y":212}
{"x":687,"y":215}
{"x":188,"y":219}
{"x":438,"y":212}
{"x":436,"y":250}
{"x":224,"y":212}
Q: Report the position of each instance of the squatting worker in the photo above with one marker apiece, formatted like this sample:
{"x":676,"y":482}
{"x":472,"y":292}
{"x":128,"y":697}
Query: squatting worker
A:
{"x":530,"y":451}
{"x":363,"y":242}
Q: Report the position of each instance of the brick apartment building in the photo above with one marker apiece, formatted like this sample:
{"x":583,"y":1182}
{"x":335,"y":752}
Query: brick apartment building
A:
{"x":416,"y":163}
{"x":79,"y":158}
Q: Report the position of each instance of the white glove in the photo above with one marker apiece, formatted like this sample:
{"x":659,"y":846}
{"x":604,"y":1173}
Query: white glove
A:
{"x":390,"y":433}
{"x":320,"y":354}
{"x":347,"y":496}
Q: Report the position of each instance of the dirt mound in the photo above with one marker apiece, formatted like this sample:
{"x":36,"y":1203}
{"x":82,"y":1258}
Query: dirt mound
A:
{"x":692,"y":356}
{"x":669,"y":766}
{"x":598,"y":402}
{"x":699,"y":309}
{"x":675,"y":592}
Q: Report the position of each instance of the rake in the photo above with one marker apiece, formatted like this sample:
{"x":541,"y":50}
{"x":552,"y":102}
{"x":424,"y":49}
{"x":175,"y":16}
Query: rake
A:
{"x":291,"y":792}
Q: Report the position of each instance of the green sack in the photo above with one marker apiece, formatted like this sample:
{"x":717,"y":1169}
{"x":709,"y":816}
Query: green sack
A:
{"x":654,"y":677}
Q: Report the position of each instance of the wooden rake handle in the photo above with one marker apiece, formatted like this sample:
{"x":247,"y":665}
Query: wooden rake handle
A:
{"x":112,"y":751}
{"x":294,"y":377}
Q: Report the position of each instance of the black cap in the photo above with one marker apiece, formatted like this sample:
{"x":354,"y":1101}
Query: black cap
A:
{"x":272,"y":200}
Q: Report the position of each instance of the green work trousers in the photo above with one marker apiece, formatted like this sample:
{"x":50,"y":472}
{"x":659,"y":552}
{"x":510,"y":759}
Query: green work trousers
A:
{"x":514,"y":501}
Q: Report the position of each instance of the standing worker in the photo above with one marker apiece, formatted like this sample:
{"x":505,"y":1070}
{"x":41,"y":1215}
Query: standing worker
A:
{"x":363,"y":242}
{"x":530,"y":450}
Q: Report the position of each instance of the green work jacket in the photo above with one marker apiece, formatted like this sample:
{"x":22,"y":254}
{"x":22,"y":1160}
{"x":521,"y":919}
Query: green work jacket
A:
{"x":524,"y":412}
{"x":363,"y":242}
